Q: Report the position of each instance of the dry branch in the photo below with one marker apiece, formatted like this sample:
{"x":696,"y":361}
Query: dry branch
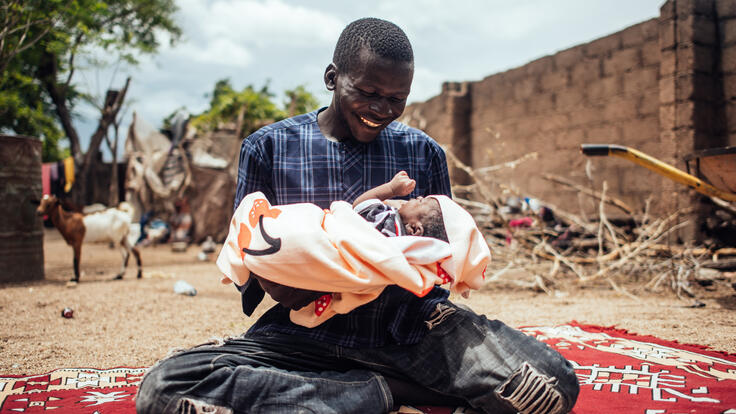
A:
{"x":595,"y":194}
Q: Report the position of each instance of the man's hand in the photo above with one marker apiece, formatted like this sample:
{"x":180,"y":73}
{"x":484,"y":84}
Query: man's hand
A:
{"x":401,"y":184}
{"x":288,"y":297}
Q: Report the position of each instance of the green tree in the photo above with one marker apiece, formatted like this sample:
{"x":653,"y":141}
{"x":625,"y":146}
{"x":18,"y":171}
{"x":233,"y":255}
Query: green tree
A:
{"x":40,"y":45}
{"x":250,"y":108}
{"x":300,"y":101}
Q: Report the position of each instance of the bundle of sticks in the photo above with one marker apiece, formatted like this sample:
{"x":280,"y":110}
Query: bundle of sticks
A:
{"x":555,"y":248}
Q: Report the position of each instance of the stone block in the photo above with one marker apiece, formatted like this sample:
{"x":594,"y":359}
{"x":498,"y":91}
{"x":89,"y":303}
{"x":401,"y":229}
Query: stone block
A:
{"x":620,"y":109}
{"x":586,"y":71}
{"x":667,"y":90}
{"x":604,"y":46}
{"x":540,"y":66}
{"x":639,"y":130}
{"x":685,"y":8}
{"x":668,"y":63}
{"x":552,"y":122}
{"x":639,"y":33}
{"x":512,"y":75}
{"x":622,"y":61}
{"x":525,"y":129}
{"x":684,"y":115}
{"x":570,"y":138}
{"x":524,"y":88}
{"x":541,"y":104}
{"x":697,"y":29}
{"x":704,"y":29}
{"x":604,"y":89}
{"x":667,"y":31}
{"x":649,"y":103}
{"x":568,"y":58}
{"x":650,"y":53}
{"x":604,"y":133}
{"x":515,"y":110}
{"x":667,"y":10}
{"x":584,"y":116}
{"x":728,"y":59}
{"x":684,"y":144}
{"x":650,"y":29}
{"x":553,"y":81}
{"x":700,"y":87}
{"x":667,"y":118}
{"x":709,"y":122}
{"x":696,"y":58}
{"x":569,"y":98}
{"x":727,"y":31}
{"x":729,"y":87}
{"x":631,"y":36}
{"x":638,"y":81}
{"x":726,"y":9}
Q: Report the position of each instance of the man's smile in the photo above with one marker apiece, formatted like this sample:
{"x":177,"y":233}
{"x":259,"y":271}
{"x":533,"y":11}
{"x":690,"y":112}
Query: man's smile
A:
{"x":369,"y":123}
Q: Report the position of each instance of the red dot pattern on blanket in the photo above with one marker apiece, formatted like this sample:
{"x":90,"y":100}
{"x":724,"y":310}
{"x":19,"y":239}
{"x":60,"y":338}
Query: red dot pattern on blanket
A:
{"x":321,"y":304}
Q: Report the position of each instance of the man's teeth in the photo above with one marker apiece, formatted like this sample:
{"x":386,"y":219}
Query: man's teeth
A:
{"x":369,"y":123}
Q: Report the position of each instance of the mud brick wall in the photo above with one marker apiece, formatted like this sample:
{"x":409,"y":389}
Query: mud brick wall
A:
{"x":664,"y":86}
{"x":726,"y":12}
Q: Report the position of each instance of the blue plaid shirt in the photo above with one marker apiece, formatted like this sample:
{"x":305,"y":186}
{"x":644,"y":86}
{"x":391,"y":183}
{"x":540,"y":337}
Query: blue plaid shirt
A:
{"x":292,"y":162}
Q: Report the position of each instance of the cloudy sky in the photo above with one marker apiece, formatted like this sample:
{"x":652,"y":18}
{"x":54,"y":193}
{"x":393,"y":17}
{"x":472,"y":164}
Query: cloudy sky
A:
{"x":289,"y":43}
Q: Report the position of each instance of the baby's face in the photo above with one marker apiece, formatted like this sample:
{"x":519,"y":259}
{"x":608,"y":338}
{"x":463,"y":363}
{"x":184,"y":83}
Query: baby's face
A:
{"x":418,"y":208}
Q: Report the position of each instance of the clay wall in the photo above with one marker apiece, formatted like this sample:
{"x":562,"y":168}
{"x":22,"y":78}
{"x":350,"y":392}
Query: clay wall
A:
{"x":664,"y":87}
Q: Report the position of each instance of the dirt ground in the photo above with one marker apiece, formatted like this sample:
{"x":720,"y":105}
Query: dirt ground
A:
{"x":134,"y":322}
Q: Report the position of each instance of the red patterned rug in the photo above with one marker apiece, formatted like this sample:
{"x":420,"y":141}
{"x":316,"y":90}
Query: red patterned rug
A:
{"x":619,"y":372}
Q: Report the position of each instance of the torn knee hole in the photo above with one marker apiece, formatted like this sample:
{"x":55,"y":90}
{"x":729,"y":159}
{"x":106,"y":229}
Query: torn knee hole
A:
{"x":530,"y":392}
{"x":192,"y":406}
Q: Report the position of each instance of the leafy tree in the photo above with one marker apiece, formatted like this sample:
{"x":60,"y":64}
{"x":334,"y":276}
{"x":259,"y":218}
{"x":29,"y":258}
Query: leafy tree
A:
{"x":300,"y":101}
{"x":40,"y":45}
{"x":250,"y":108}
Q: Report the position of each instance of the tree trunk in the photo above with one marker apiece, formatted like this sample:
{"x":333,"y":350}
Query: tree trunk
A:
{"x":48,"y":72}
{"x":113,"y":102}
{"x":84,"y":163}
{"x":114,"y":196}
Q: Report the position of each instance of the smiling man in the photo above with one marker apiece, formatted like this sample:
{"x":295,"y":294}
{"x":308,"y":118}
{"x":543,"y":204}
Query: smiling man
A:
{"x":399,"y":348}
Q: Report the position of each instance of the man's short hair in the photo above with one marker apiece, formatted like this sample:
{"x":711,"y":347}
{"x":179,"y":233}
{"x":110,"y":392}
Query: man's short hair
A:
{"x":380,"y":36}
{"x":434,"y":224}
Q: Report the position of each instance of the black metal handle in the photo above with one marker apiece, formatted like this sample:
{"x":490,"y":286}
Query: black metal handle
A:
{"x":593,"y":150}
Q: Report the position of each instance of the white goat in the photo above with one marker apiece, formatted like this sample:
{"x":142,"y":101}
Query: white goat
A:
{"x":111,"y":225}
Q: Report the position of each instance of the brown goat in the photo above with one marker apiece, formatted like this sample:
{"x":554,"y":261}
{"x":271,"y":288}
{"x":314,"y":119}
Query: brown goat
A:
{"x":111,"y":225}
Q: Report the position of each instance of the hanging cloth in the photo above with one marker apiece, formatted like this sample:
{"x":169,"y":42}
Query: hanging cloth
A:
{"x":46,"y":178}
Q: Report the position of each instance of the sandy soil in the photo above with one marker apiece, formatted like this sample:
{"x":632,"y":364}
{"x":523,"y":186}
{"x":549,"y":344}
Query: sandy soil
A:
{"x":134,"y":322}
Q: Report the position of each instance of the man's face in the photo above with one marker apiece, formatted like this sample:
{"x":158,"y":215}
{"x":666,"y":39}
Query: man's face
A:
{"x":371,"y":95}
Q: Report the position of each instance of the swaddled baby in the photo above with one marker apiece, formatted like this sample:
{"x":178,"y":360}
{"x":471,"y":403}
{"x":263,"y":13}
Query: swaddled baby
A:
{"x":345,"y":251}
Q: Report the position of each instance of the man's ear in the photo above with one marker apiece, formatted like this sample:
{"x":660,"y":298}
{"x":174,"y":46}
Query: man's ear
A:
{"x":331,"y":77}
{"x":414,"y":229}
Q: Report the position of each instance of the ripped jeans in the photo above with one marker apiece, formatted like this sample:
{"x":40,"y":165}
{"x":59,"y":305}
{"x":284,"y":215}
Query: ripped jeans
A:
{"x":494,"y":368}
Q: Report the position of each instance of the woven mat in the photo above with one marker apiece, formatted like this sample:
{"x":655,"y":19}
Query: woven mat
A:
{"x":619,"y":372}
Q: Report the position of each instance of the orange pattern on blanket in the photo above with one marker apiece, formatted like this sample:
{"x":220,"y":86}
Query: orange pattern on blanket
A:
{"x":261,"y":208}
{"x":243,"y":239}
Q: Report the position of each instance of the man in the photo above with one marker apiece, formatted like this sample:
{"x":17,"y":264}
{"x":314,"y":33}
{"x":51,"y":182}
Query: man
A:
{"x":397,"y":349}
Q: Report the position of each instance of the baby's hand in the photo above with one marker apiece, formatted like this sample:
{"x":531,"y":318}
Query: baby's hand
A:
{"x":401,"y":184}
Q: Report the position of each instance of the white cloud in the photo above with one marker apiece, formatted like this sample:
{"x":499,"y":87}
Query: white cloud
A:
{"x":289,"y":42}
{"x":270,"y":23}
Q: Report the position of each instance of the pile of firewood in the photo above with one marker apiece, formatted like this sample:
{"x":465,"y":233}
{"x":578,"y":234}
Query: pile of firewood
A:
{"x":547,"y":249}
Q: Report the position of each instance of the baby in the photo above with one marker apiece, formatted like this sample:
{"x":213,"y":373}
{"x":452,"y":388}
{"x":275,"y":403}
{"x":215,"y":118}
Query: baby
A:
{"x":421,"y":216}
{"x":339,"y":250}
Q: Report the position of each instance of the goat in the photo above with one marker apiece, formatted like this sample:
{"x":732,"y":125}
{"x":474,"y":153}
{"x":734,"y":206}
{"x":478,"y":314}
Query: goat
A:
{"x":111,"y":225}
